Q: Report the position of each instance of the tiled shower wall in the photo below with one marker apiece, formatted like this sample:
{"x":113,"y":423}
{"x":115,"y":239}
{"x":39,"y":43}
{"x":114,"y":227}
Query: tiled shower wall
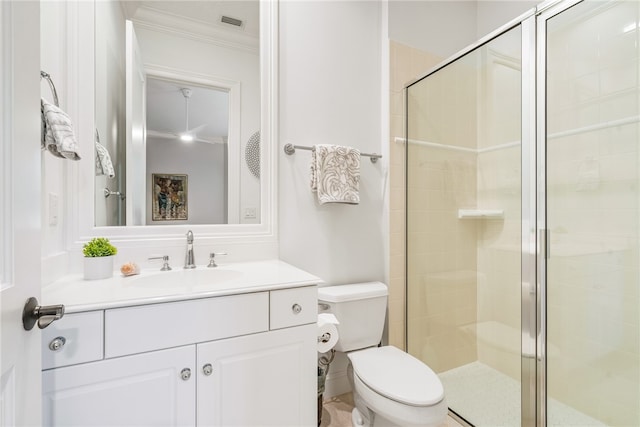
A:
{"x":464,"y":296}
{"x":442,"y":257}
{"x":406,"y":64}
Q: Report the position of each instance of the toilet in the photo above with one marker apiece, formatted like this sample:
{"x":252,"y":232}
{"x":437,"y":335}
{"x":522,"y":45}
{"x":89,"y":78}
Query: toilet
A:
{"x":390,"y":387}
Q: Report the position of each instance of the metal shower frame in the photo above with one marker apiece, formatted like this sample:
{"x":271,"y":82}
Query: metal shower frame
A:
{"x":534,"y":230}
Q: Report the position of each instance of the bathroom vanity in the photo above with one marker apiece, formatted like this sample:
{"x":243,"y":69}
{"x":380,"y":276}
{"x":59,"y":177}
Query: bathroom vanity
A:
{"x":233,"y":345}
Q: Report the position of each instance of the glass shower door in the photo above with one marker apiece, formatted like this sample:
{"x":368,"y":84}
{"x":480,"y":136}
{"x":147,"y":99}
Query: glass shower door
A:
{"x":592,"y":214}
{"x":464,"y":223}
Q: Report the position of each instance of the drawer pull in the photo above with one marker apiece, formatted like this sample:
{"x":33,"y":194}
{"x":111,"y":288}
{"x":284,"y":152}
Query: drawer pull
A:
{"x":296,"y":308}
{"x":185,"y":374}
{"x":207,"y":369}
{"x":57,"y":343}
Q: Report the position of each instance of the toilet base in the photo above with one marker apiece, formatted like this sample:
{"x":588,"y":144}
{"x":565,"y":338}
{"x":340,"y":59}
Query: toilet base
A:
{"x":357,"y":420}
{"x":378,"y":421}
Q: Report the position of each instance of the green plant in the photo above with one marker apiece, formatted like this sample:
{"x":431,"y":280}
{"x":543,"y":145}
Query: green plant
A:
{"x":98,"y":246}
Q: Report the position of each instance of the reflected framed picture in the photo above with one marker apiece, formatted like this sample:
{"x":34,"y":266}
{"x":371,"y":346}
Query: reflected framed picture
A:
{"x":169,"y":197}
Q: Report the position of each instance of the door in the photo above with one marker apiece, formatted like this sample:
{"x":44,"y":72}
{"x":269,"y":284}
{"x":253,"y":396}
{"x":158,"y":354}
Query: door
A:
{"x":151,"y":389}
{"x":263,"y":379}
{"x":19,"y":211}
{"x":465,"y":213}
{"x":136,"y":130}
{"x":592,"y":142}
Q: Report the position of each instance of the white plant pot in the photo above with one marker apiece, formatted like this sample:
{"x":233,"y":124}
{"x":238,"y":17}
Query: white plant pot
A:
{"x":98,"y":267}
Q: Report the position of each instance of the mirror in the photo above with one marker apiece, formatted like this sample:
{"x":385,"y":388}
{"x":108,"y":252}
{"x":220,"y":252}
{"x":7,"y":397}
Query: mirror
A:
{"x":165,"y":71}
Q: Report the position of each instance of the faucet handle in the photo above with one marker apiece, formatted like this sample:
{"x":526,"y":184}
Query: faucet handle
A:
{"x":165,"y":262}
{"x":212,"y":256}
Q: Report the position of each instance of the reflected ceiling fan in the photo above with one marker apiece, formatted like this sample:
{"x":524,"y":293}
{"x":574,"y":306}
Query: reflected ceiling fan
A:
{"x":188,"y":135}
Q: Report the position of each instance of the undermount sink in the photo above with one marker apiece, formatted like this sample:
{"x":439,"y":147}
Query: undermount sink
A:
{"x":191,"y":278}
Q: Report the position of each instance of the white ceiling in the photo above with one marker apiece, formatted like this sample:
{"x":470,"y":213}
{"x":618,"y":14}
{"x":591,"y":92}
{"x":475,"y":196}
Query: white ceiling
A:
{"x":207,"y":13}
{"x":207,"y":106}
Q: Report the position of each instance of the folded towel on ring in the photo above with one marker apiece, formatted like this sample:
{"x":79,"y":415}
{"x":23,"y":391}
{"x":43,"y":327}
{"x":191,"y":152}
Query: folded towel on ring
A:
{"x":57,"y":132}
{"x":335,"y":173}
{"x":104,"y":166}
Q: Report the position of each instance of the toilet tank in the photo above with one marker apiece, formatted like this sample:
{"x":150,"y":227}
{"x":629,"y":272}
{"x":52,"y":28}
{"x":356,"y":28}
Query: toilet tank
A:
{"x":360,"y":308}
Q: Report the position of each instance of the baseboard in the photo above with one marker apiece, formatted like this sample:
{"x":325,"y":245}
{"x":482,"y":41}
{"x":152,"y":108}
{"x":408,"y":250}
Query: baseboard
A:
{"x":337,"y":383}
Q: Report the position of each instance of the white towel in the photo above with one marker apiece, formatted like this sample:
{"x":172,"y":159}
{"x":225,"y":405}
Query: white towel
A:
{"x":57,"y":132}
{"x":104,"y":166}
{"x":335,"y":173}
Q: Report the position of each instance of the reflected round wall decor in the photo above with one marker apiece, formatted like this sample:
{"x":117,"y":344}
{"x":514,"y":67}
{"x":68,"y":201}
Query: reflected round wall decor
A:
{"x":252,"y":154}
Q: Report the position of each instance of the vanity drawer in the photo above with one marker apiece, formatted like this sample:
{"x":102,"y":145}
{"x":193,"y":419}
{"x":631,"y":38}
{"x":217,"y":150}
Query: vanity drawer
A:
{"x":77,"y":337}
{"x":156,"y":326}
{"x":292,"y":307}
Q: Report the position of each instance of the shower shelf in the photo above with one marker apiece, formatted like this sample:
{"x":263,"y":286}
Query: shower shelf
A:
{"x":480,"y":213}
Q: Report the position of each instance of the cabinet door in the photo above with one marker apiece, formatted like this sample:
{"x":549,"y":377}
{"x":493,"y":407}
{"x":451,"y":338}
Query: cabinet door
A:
{"x":266,"y":379}
{"x":145,"y":389}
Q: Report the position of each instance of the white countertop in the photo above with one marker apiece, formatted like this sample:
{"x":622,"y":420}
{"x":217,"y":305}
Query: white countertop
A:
{"x":154,"y":286}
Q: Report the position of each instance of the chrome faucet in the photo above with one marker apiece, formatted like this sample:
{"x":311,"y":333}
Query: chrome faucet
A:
{"x":188,"y":259}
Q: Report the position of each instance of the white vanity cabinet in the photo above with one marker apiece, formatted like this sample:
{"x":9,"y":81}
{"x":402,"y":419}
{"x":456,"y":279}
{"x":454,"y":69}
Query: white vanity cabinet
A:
{"x":258,"y":380}
{"x":244,"y":360}
{"x":142,"y":390}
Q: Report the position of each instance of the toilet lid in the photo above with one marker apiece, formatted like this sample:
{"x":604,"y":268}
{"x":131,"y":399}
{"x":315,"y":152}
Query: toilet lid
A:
{"x":397,"y":375}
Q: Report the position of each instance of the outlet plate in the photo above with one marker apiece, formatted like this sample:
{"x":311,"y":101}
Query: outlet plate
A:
{"x":249,"y":213}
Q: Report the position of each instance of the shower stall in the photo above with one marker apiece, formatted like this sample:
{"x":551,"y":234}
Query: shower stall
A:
{"x":523,"y":212}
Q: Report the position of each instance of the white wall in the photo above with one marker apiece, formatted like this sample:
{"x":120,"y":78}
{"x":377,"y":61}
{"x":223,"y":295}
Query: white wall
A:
{"x":493,"y":14}
{"x":205,"y":165}
{"x":330,"y":92}
{"x":330,"y":83}
{"x":438,"y":27}
{"x":53,"y":60}
{"x":443,"y":28}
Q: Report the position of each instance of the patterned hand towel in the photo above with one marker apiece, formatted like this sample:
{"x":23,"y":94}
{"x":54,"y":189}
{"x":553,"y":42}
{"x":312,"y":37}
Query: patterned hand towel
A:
{"x":57,"y":132}
{"x":103,"y":162}
{"x":335,"y":174}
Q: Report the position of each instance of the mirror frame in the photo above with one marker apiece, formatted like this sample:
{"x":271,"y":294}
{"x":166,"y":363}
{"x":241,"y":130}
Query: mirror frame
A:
{"x":80,"y":208}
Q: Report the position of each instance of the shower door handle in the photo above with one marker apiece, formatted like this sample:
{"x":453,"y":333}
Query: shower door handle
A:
{"x":544,"y":243}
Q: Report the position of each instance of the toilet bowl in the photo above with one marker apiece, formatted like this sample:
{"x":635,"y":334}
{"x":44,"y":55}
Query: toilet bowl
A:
{"x":390,"y":387}
{"x":395,"y":389}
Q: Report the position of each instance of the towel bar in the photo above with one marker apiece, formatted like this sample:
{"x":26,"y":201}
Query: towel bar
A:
{"x":47,"y":77}
{"x":290,"y":149}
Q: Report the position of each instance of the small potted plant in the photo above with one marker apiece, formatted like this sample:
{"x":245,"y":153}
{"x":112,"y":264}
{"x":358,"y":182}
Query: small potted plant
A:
{"x":98,"y":258}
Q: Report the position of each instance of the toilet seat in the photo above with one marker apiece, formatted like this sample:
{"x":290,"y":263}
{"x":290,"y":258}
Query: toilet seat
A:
{"x":397,"y":375}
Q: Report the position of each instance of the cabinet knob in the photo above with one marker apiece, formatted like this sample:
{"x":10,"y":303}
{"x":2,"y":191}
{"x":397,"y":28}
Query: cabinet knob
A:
{"x":57,"y":343}
{"x":185,"y":374}
{"x":296,"y":308}
{"x":207,"y":369}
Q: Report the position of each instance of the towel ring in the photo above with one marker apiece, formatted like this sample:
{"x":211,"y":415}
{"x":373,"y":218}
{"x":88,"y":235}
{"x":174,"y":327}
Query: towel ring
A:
{"x":47,"y":77}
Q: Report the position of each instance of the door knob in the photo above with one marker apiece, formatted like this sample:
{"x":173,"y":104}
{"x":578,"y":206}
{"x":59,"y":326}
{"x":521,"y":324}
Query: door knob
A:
{"x":43,"y":314}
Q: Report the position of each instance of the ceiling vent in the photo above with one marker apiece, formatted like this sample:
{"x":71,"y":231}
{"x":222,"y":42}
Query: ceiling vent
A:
{"x":231,"y":21}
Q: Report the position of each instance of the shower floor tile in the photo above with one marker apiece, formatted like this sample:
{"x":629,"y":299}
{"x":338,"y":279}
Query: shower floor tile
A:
{"x":486,"y":397}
